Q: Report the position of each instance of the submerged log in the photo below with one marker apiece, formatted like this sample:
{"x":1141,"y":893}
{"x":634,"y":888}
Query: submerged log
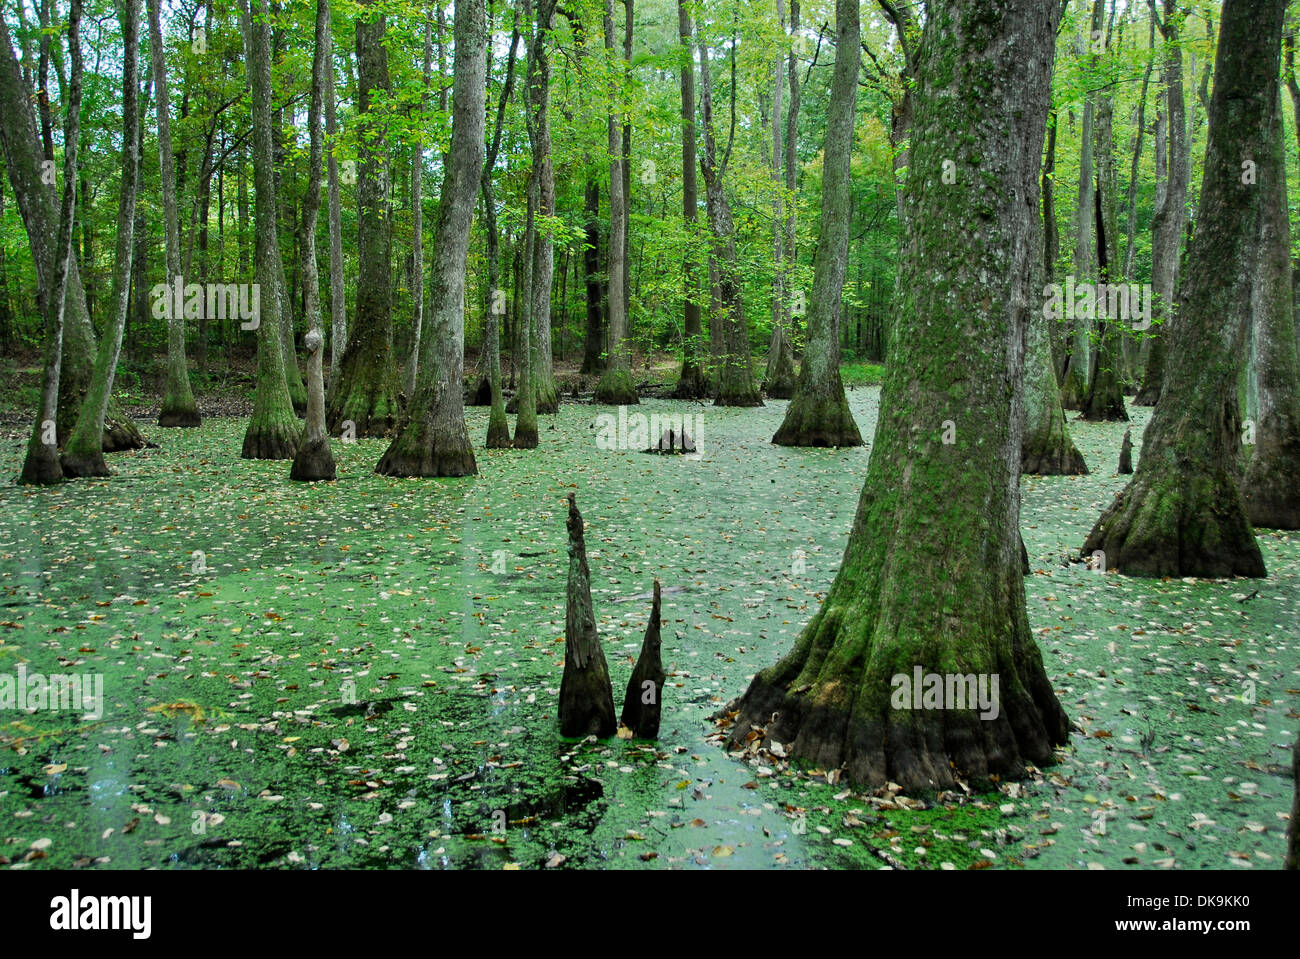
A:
{"x":586,"y":696}
{"x":1126,"y":454}
{"x":641,"y":703}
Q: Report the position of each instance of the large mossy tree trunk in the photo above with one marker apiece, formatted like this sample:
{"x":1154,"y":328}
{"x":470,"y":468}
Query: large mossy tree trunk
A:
{"x":616,"y":387}
{"x":432,"y":439}
{"x":735,"y":374}
{"x":83,"y":454}
{"x":1271,"y":488}
{"x":932,"y":577}
{"x":586,"y":696}
{"x":1182,"y":514}
{"x":819,"y":413}
{"x":177,"y":408}
{"x":692,"y":384}
{"x":23,"y":158}
{"x":314,"y":459}
{"x":1171,"y":205}
{"x":365,"y":393}
{"x":273,"y":429}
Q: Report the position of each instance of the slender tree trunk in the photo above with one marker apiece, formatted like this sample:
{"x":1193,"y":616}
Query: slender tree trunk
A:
{"x":273,"y":429}
{"x":819,"y":413}
{"x":498,"y":431}
{"x":526,"y":396}
{"x":616,"y":387}
{"x":1078,"y":357}
{"x":779,"y":378}
{"x":178,"y":407}
{"x":365,"y":393}
{"x":417,"y":224}
{"x":1052,"y":247}
{"x":1170,"y":216}
{"x":83,"y":454}
{"x":594,"y":348}
{"x":314,"y":460}
{"x":432,"y":439}
{"x":1183,"y":514}
{"x":932,"y":576}
{"x":539,"y":95}
{"x":1270,"y":490}
{"x":693,"y":384}
{"x":338,"y":305}
{"x":735,"y":384}
{"x":41,"y":465}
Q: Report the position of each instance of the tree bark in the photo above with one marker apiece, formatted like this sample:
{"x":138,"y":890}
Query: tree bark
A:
{"x":616,"y":387}
{"x":1170,"y":216}
{"x":819,"y":413}
{"x":417,"y":223}
{"x":594,"y":347}
{"x":177,"y":407}
{"x":273,"y":428}
{"x":314,"y":459}
{"x":338,"y":306}
{"x":693,"y":384}
{"x":643,"y":699}
{"x":432,"y":439}
{"x":539,"y":129}
{"x":83,"y":454}
{"x":779,"y":378}
{"x":1269,"y":489}
{"x":735,"y":382}
{"x":586,"y":696}
{"x":1183,"y":514}
{"x":932,"y":576}
{"x":365,"y":393}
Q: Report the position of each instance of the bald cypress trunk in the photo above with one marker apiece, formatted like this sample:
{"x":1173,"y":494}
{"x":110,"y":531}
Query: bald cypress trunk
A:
{"x":338,"y":306}
{"x":1183,"y":514}
{"x":1171,"y":209}
{"x":1270,"y":489}
{"x":735,"y":383}
{"x":177,"y":407}
{"x":432,"y":439}
{"x":779,"y":379}
{"x":365,"y":393}
{"x":693,"y":384}
{"x":273,"y":428}
{"x":314,"y":459}
{"x":616,"y":386}
{"x":83,"y":454}
{"x":539,"y":129}
{"x":819,"y":413}
{"x":932,"y":577}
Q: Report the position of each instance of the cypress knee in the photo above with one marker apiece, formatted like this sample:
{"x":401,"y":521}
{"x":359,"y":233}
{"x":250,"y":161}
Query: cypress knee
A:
{"x":1126,"y":454}
{"x":641,"y":703}
{"x":586,"y":696}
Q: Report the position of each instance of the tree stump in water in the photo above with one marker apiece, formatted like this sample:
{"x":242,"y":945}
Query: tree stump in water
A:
{"x":586,"y":696}
{"x":1126,"y":454}
{"x":1293,"y":846}
{"x":673,"y":442}
{"x":641,"y":703}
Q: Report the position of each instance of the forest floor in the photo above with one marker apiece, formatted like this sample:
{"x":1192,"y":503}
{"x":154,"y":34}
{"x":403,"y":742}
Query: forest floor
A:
{"x":365,"y":673}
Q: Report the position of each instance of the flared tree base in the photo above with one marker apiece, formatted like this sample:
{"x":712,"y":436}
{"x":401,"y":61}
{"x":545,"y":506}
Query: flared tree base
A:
{"x":445,"y":456}
{"x":121,"y":433}
{"x":692,"y":385}
{"x":41,"y":466}
{"x":314,"y":461}
{"x":548,"y":400}
{"x":81,"y":464}
{"x":1178,"y":525}
{"x":498,"y":431}
{"x":481,"y":395}
{"x":616,"y":389}
{"x":744,"y":398}
{"x":1106,"y":408}
{"x":1271,"y":491}
{"x":856,"y":721}
{"x":1147,"y":395}
{"x":371,"y":408}
{"x":1074,"y":395}
{"x":818,"y":421}
{"x":781,"y":379}
{"x":184,"y":417}
{"x":1052,"y":458}
{"x":271,"y":440}
{"x":525,"y":435}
